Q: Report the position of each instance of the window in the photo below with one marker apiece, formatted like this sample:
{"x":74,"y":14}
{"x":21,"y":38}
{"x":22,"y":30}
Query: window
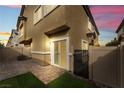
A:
{"x":21,"y":30}
{"x":84,"y":45}
{"x":38,"y":14}
{"x":42,"y":11}
{"x":48,"y":8}
{"x":89,"y":25}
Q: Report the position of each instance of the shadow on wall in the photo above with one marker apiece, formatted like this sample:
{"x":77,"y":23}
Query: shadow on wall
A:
{"x":104,"y":66}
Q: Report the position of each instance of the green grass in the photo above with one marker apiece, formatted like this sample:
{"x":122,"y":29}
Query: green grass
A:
{"x":69,"y":81}
{"x":27,"y":80}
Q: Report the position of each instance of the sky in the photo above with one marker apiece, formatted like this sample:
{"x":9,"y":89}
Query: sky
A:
{"x":107,"y":19}
{"x":8,"y":19}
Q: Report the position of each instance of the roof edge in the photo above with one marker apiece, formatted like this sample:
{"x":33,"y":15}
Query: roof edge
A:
{"x":89,"y":14}
{"x":119,"y":27}
{"x":21,"y":13}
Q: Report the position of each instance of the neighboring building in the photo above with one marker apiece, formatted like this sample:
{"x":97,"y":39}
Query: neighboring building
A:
{"x":54,"y":33}
{"x":12,"y":42}
{"x":120,"y":32}
{"x":9,"y":42}
{"x":4,"y":42}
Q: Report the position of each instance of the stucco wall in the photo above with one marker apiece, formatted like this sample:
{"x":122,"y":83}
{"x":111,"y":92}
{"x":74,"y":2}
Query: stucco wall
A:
{"x":28,"y":12}
{"x":49,"y":22}
{"x":72,"y":16}
{"x":121,"y":31}
{"x":78,"y":21}
{"x":42,"y":57}
{"x":41,"y":42}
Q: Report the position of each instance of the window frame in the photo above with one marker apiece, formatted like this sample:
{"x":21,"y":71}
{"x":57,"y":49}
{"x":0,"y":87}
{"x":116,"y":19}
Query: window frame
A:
{"x":82,"y":44}
{"x":36,"y":11}
{"x":20,"y":27}
{"x":46,"y":13}
{"x":43,"y":14}
{"x":89,"y":25}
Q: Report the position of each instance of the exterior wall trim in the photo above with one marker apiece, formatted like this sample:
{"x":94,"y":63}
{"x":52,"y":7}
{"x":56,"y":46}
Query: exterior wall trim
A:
{"x":40,"y":52}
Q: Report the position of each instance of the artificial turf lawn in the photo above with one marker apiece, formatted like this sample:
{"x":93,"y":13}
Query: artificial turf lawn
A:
{"x":27,"y":80}
{"x":69,"y":81}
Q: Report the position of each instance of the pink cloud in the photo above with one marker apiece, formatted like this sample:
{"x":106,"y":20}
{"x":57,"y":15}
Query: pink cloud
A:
{"x":108,"y":24}
{"x":107,"y":17}
{"x":5,"y":33}
{"x":107,"y":9}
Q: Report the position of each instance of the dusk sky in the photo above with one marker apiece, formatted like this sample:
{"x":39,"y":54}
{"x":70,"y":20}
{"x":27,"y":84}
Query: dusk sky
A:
{"x":107,"y":19}
{"x":8,"y":19}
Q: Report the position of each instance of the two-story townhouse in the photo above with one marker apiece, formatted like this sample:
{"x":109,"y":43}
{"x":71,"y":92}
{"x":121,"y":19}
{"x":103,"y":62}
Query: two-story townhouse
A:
{"x":9,"y":42}
{"x":54,"y":32}
{"x":120,"y":32}
{"x":12,"y":41}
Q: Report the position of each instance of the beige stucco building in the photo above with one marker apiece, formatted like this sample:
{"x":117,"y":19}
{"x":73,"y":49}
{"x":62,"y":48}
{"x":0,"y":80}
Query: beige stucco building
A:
{"x":53,"y":32}
{"x":12,"y":41}
{"x":120,"y":32}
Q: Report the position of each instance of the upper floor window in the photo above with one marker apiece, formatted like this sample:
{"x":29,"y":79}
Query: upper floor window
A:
{"x":42,"y":11}
{"x":84,"y":45}
{"x":89,"y":25}
{"x":48,"y":8}
{"x":37,"y":14}
{"x":21,"y":30}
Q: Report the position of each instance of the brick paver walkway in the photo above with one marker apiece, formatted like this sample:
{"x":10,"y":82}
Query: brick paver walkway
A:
{"x":44,"y":72}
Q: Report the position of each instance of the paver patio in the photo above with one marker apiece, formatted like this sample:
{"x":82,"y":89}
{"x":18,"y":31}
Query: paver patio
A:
{"x":42,"y":71}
